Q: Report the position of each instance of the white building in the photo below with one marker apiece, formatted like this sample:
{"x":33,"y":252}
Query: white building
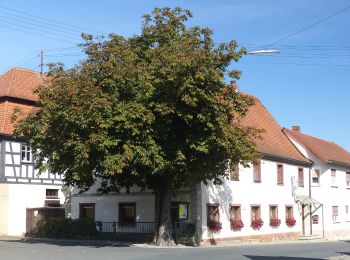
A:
{"x":330,"y":184}
{"x":20,"y":186}
{"x":266,"y":191}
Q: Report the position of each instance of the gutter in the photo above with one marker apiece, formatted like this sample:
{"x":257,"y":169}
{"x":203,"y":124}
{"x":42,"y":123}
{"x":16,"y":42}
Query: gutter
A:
{"x":278,"y":158}
{"x":338,"y":163}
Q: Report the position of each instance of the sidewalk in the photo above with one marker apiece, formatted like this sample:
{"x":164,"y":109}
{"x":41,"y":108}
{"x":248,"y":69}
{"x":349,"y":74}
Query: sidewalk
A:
{"x":113,"y":243}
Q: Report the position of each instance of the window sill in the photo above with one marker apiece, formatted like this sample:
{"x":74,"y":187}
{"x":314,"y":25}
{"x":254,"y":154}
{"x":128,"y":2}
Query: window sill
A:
{"x":333,"y":186}
{"x":336,"y":222}
{"x":315,"y":185}
{"x":280,"y":184}
{"x":348,"y":188}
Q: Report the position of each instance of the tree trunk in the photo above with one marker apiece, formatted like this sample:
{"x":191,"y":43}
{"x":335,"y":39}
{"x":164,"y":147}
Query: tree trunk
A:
{"x":164,"y":229}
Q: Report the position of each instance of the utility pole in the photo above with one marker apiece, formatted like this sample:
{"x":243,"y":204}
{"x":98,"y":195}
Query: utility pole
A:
{"x":41,"y":61}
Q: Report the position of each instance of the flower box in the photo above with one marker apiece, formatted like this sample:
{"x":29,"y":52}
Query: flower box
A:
{"x":236,"y":224}
{"x":257,"y":223}
{"x":290,"y":222}
{"x":214,"y":226}
{"x":275,"y":222}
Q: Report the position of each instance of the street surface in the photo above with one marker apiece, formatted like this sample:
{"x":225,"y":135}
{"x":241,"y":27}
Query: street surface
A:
{"x":55,"y":249}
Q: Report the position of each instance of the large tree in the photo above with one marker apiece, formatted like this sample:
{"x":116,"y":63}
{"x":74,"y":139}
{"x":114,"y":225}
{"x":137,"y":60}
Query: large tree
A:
{"x":152,"y":110}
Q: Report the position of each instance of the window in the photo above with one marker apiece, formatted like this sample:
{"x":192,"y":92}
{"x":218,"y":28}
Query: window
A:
{"x":213,"y":213}
{"x":348,"y":179}
{"x":26,"y":153}
{"x":301,"y":177}
{"x":289,"y":212}
{"x":257,"y":172}
{"x":333,"y":177}
{"x":234,"y":173}
{"x":255,"y":212}
{"x":87,"y":210}
{"x":316,"y":176}
{"x":280,"y":174}
{"x":127,"y":214}
{"x":179,"y":211}
{"x":51,"y":193}
{"x":273,"y":212}
{"x":235,"y":212}
{"x":335,"y":213}
{"x":347,"y":215}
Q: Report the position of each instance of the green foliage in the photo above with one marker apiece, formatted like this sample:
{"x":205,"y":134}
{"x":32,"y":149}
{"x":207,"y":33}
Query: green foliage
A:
{"x":143,"y":109}
{"x":66,"y":228}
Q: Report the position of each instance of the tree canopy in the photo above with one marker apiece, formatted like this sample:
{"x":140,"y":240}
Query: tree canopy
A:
{"x":148,"y":110}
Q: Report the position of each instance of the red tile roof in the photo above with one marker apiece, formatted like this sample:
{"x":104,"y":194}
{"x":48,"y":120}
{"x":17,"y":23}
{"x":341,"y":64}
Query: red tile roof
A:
{"x":328,"y":152}
{"x":20,"y":83}
{"x":6,"y":112}
{"x":16,"y":83}
{"x":273,"y":142}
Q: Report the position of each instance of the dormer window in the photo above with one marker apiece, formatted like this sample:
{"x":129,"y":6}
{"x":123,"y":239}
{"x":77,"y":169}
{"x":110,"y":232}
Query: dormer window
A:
{"x":26,"y":153}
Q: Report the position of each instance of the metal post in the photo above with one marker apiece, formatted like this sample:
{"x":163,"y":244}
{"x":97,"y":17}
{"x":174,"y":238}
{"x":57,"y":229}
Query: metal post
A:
{"x":322,"y":223}
{"x":41,"y":61}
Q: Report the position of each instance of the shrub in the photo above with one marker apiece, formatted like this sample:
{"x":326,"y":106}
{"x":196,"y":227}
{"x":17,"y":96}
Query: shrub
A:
{"x":257,"y":223}
{"x":66,"y":228}
{"x":290,"y":222}
{"x":275,"y":222}
{"x":236,"y":224}
{"x":214,"y":226}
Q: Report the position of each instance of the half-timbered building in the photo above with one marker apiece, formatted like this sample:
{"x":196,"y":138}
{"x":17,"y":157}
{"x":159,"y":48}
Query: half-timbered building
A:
{"x":21,"y":187}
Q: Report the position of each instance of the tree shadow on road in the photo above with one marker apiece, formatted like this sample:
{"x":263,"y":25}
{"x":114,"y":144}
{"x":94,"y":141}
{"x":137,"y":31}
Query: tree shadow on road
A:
{"x":258,"y":257}
{"x":69,"y":242}
{"x":344,"y":253}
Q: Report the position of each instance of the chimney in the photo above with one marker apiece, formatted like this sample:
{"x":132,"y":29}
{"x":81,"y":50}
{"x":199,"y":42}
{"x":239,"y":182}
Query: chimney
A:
{"x":234,"y":84}
{"x":296,"y":128}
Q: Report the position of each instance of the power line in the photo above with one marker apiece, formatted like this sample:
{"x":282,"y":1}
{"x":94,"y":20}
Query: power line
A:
{"x":309,"y":26}
{"x":52,"y":21}
{"x":11,"y":27}
{"x":30,"y":27}
{"x":39,"y":24}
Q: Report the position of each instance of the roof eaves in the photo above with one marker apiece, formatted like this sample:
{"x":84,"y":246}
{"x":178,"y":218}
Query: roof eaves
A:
{"x":278,"y":158}
{"x":338,"y":163}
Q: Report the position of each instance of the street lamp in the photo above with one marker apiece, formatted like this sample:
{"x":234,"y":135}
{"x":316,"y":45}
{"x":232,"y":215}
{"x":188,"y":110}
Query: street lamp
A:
{"x":264,"y":51}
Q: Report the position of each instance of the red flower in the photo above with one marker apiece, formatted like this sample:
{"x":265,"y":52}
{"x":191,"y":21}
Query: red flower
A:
{"x":275,"y":222}
{"x":257,"y":223}
{"x":236,"y":224}
{"x":290,"y":222}
{"x":214,"y":226}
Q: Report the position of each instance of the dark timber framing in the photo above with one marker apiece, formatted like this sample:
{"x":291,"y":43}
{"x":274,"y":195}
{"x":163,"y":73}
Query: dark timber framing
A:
{"x":22,"y":173}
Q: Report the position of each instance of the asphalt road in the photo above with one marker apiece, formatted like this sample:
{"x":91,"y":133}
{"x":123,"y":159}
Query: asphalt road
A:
{"x":33,"y":249}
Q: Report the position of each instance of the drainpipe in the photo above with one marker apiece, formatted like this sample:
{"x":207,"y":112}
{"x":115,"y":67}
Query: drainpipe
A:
{"x":310,"y":206}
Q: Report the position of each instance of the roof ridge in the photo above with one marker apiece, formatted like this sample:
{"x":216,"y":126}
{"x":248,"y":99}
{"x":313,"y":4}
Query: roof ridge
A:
{"x":332,"y":142}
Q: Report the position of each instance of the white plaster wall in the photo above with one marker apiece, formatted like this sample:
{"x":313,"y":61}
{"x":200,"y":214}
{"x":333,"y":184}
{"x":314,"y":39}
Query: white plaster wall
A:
{"x":106,"y":206}
{"x":328,"y":195}
{"x":21,"y":197}
{"x":245,"y":192}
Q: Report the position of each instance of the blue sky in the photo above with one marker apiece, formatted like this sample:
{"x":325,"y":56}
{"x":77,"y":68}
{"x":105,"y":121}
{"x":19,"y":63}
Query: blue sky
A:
{"x":307,"y":84}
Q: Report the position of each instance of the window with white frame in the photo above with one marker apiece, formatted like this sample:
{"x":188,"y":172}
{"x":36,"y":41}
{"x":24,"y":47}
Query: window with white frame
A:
{"x":348,"y":179}
{"x":26,"y":153}
{"x":335,"y":214}
{"x":333,"y":177}
{"x":316,"y":176}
